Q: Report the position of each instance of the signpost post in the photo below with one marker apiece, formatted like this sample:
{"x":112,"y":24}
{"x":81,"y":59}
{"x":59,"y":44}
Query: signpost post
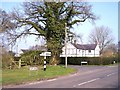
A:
{"x":45,"y":54}
{"x":44,"y":61}
{"x":44,"y":65}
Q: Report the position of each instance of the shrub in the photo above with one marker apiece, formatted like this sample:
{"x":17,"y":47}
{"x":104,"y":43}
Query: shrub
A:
{"x":8,"y":61}
{"x":90,"y":60}
{"x":32,"y":58}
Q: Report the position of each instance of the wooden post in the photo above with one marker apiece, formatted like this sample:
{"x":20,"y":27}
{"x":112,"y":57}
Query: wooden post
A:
{"x":19,"y":63}
{"x":10,"y":65}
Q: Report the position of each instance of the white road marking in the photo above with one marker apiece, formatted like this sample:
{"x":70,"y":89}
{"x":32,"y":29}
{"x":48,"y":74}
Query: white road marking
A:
{"x":88,"y":81}
{"x":111,"y":66}
{"x":110,"y":74}
{"x":51,"y":80}
{"x":35,"y":83}
{"x":73,"y":75}
{"x":92,"y":80}
{"x":74,"y":86}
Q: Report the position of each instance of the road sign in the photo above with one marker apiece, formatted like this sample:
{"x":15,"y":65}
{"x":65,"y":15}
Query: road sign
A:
{"x":45,"y":54}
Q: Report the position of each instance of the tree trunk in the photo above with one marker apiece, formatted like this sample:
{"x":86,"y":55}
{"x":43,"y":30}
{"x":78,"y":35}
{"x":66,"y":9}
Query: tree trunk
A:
{"x":54,"y":60}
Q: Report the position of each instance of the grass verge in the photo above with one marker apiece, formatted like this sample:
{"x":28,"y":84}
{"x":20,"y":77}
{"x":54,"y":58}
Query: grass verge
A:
{"x":24,"y":75}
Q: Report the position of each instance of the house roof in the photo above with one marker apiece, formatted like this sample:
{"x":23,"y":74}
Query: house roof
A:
{"x":24,"y":50}
{"x":85,"y":46}
{"x":37,"y":47}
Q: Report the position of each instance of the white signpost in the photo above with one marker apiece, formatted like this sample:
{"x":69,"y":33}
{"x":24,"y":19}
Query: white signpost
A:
{"x":45,"y":54}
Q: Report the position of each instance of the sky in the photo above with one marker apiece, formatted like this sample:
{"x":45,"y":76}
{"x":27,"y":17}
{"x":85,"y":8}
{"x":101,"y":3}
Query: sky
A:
{"x":106,"y":11}
{"x":108,"y":17}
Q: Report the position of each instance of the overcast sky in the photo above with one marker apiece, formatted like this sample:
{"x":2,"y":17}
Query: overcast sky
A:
{"x":106,"y":11}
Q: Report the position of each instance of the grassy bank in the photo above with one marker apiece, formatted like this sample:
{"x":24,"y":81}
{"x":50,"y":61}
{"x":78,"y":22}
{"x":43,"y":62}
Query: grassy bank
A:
{"x":23,"y":75}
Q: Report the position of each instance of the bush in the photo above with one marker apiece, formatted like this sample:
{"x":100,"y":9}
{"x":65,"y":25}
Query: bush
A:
{"x":90,"y":60}
{"x":119,"y":57}
{"x":8,"y":61}
{"x":32,"y":58}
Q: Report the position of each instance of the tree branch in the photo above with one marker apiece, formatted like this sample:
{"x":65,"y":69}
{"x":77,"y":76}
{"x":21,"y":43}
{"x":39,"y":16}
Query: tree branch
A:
{"x":37,"y":28}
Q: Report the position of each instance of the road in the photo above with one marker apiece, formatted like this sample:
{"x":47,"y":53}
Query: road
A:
{"x":86,"y":77}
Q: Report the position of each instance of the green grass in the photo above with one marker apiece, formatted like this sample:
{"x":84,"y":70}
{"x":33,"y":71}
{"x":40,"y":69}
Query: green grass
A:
{"x":118,"y":63}
{"x":23,"y":75}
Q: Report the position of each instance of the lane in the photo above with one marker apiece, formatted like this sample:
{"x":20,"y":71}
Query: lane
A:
{"x":106,"y":82}
{"x":87,"y":77}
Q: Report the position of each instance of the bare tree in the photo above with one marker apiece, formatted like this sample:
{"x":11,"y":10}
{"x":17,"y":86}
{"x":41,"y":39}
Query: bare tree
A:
{"x":5,"y":21}
{"x":6,"y":26}
{"x":102,"y":36}
{"x":75,"y":37}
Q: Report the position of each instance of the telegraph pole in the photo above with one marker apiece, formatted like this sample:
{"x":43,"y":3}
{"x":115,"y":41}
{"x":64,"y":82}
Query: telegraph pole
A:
{"x":66,"y":45}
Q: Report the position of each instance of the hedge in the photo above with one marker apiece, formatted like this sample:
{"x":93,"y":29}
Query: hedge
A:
{"x":90,"y":60}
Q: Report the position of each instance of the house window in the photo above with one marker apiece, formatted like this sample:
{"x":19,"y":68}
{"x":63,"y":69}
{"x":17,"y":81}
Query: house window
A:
{"x":68,"y":51}
{"x":72,"y":51}
{"x":89,"y":51}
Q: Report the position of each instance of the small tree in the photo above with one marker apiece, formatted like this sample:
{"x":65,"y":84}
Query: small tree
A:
{"x":111,"y":53}
{"x":7,"y":59}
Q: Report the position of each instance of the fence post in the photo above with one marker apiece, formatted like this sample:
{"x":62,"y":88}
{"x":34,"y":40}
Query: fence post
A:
{"x":19,"y":63}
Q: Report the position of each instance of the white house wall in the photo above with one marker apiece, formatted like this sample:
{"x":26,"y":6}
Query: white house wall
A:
{"x":74,"y":52}
{"x":97,"y":49}
{"x":70,"y":49}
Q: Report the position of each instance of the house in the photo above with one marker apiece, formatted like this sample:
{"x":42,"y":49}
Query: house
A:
{"x":76,"y":50}
{"x":81,"y":50}
{"x":36,"y":47}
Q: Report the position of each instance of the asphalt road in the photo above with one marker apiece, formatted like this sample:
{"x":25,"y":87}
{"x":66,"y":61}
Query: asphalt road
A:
{"x":86,"y":77}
